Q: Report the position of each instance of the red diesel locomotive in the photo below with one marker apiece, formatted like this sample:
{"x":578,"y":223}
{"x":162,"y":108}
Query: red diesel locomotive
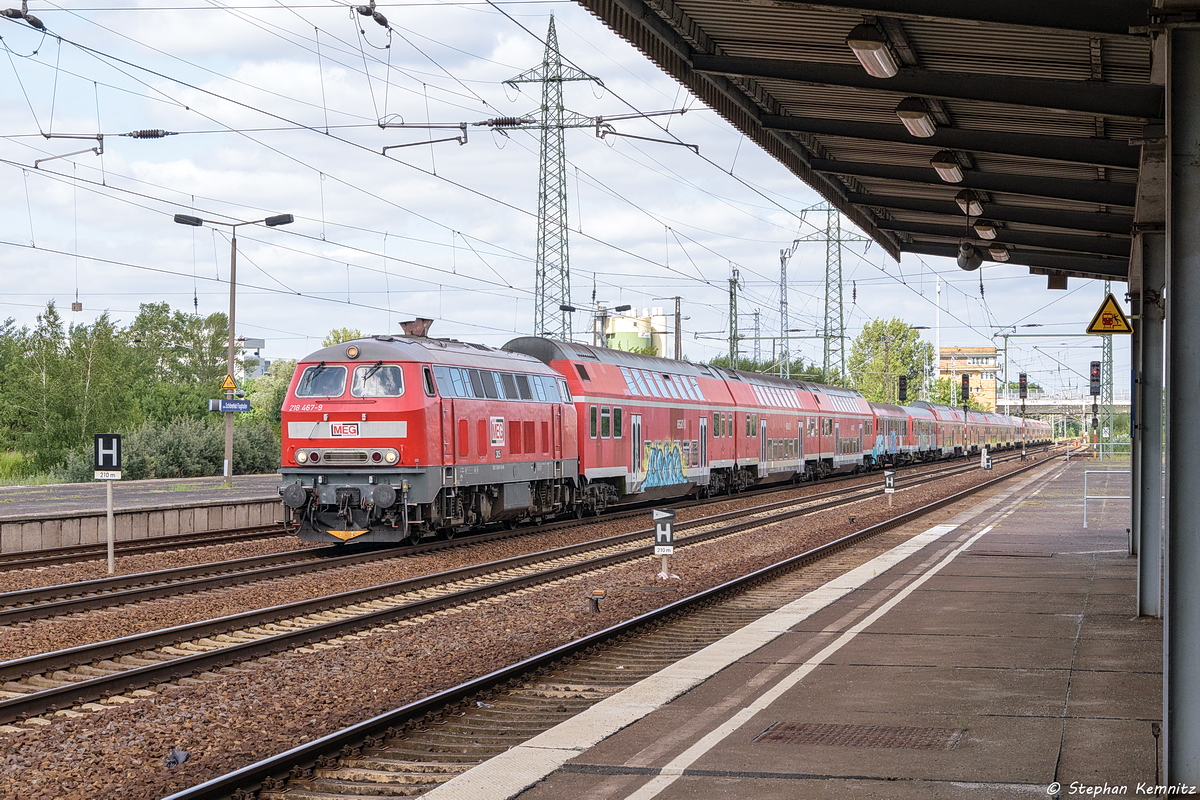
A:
{"x":398,"y":438}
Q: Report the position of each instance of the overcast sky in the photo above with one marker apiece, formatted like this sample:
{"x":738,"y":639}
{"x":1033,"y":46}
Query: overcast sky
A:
{"x":275,"y":110}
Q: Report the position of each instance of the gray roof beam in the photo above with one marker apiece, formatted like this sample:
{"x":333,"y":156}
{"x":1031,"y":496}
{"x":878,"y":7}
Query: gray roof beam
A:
{"x":1114,"y":268}
{"x":1099,"y":192}
{"x":1097,"y":152}
{"x":1097,"y":245}
{"x":1130,"y":101}
{"x":1094,"y":222}
{"x":1097,"y":17}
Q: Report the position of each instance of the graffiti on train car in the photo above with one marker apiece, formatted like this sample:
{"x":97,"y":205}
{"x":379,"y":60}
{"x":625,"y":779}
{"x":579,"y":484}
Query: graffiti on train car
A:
{"x":662,"y":464}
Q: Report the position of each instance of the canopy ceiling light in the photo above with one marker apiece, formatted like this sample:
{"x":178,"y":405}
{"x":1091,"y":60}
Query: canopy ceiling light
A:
{"x":968,"y":257}
{"x":998,"y":252}
{"x":915,"y":116}
{"x":968,"y":201}
{"x":870,"y":47}
{"x":947,"y":166}
{"x":985,"y":228}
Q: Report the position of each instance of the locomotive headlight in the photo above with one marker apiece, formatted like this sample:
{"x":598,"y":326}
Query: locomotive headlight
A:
{"x":391,"y":457}
{"x":301,"y":457}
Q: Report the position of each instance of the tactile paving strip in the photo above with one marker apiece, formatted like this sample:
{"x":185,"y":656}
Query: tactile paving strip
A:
{"x":861,"y":736}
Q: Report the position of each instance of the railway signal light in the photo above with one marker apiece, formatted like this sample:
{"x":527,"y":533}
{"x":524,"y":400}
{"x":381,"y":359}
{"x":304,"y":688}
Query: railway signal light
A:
{"x":902,"y":390}
{"x":1022,"y":386}
{"x":966,"y":388}
{"x":1095,"y":378}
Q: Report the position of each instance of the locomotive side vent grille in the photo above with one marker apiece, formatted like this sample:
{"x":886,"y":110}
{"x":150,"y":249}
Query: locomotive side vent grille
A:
{"x":861,"y":736}
{"x":345,"y":456}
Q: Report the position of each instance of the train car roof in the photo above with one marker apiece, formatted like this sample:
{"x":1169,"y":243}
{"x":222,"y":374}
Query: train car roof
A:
{"x":890,"y":409}
{"x":547,"y":350}
{"x":426,"y":350}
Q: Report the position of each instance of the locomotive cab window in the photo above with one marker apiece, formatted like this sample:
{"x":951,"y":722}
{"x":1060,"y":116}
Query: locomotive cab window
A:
{"x":582,"y":372}
{"x":508,"y":380}
{"x":429,"y":388}
{"x":322,"y":381}
{"x":377,"y":381}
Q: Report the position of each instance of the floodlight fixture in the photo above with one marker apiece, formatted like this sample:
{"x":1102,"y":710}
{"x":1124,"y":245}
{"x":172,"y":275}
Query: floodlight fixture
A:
{"x":998,"y":252}
{"x":947,"y":166}
{"x":985,"y":229}
{"x":913,"y":112}
{"x":969,"y":203}
{"x":870,"y":47}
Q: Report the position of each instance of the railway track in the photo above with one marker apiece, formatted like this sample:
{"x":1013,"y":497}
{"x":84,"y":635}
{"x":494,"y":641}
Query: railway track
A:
{"x":74,"y":677}
{"x":419,"y":746}
{"x":43,"y":602}
{"x":47,"y":557}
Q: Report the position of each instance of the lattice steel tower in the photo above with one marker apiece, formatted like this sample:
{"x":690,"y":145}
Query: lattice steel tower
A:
{"x":833,"y":331}
{"x":552,"y":286}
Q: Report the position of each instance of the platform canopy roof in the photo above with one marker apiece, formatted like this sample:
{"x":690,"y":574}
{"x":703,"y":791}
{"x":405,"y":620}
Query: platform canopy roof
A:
{"x":1051,"y":110}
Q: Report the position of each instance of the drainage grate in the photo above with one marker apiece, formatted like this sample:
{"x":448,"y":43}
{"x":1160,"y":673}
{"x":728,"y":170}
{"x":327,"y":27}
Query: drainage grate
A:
{"x":861,"y":736}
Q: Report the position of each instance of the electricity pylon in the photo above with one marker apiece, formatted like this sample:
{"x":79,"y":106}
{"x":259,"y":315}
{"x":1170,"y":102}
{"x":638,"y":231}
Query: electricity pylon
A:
{"x":552,"y":286}
{"x":834,"y":329}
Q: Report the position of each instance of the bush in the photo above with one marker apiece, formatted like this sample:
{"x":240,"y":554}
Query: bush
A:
{"x":184,"y":448}
{"x":14,"y":465}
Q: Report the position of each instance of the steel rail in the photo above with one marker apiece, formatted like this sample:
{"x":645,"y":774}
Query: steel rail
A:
{"x":51,"y":699}
{"x":26,"y":605}
{"x":323,"y":752}
{"x":46,"y":556}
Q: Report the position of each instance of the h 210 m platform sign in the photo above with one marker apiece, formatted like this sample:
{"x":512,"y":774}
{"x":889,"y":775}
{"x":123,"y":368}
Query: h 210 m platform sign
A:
{"x":664,"y":531}
{"x":107,"y":465}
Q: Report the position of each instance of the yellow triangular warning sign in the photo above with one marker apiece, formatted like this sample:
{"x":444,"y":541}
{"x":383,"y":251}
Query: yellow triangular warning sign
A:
{"x":230,"y":385}
{"x":1110,"y":318}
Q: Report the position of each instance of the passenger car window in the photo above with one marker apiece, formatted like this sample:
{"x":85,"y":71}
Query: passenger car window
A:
{"x":322,"y":381}
{"x":377,"y":381}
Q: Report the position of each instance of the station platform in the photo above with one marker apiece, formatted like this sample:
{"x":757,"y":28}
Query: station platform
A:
{"x":997,"y":655}
{"x":56,"y":515}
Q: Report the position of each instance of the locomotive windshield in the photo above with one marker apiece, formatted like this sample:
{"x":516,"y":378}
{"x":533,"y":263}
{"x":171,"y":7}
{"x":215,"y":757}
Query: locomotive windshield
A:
{"x":377,"y":381}
{"x":322,"y":381}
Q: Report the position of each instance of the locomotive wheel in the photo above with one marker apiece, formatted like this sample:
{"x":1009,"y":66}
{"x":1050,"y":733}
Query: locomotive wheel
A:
{"x":446,"y":534}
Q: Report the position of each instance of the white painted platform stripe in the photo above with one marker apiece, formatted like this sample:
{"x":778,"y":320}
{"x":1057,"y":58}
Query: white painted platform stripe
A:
{"x":510,"y":773}
{"x":675,"y":768}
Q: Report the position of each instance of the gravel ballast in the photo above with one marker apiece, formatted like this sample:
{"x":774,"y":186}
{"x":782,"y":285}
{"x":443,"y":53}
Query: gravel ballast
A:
{"x":240,"y":715}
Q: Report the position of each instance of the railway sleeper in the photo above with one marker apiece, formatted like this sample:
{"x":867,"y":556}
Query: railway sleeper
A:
{"x":358,"y":771}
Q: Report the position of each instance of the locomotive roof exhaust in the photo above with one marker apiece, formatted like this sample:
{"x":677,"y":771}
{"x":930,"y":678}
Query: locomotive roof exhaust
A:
{"x":416,"y":327}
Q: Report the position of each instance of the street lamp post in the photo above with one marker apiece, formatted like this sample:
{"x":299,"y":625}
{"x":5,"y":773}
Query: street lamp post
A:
{"x":271,"y":222}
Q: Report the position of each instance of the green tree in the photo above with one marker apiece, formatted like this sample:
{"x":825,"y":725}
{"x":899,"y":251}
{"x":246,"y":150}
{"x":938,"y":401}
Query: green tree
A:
{"x":948,"y":392}
{"x":798,"y":369}
{"x":266,"y":393}
{"x":339,"y":335}
{"x":181,"y":360}
{"x":885,"y":350}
